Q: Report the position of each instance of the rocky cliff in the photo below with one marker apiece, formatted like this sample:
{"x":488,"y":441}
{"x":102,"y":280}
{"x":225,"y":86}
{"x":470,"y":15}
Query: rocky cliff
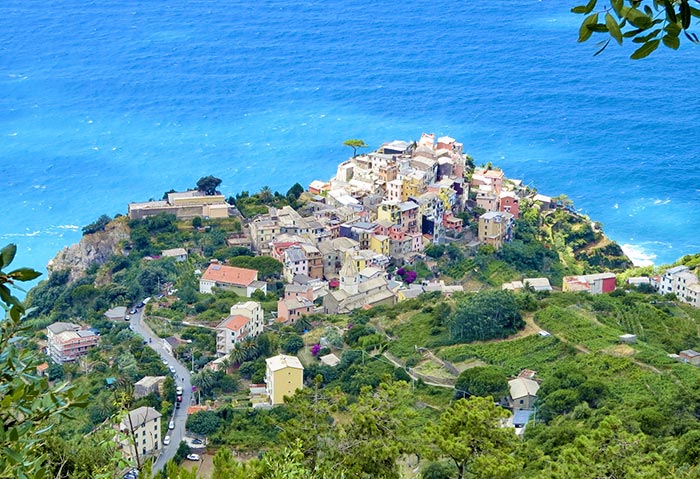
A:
{"x":93,"y":248}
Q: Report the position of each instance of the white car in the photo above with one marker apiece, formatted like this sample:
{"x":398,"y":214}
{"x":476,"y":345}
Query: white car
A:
{"x":178,"y":390}
{"x":193,"y":457}
{"x":166,"y":440}
{"x":165,"y":361}
{"x":171,"y":424}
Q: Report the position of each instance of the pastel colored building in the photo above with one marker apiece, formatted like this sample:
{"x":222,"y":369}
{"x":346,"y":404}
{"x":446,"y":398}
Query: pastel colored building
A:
{"x":66,"y":342}
{"x":242,"y":281}
{"x":509,"y":203}
{"x":298,"y":301}
{"x":495,"y":228}
{"x":284,"y":375}
{"x":245,"y":321}
{"x":523,"y":393}
{"x":140,"y":433}
{"x":590,"y":283}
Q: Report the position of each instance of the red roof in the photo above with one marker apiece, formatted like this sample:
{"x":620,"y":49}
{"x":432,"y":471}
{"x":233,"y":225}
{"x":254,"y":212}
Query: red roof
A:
{"x":235,"y":323}
{"x":230,"y":275}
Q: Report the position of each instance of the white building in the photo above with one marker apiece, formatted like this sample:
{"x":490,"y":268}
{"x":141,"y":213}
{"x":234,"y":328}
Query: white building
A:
{"x":245,"y":321}
{"x":680,"y":281}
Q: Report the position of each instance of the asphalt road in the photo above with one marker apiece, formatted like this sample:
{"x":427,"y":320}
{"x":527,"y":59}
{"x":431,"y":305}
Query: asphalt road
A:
{"x":182,"y":378}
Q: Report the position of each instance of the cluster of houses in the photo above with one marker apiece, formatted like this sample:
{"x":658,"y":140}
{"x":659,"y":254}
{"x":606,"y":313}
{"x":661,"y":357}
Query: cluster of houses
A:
{"x":380,"y":208}
{"x":680,"y":281}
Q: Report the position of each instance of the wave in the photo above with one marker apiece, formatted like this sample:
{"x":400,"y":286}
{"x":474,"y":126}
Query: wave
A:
{"x":638,"y":255}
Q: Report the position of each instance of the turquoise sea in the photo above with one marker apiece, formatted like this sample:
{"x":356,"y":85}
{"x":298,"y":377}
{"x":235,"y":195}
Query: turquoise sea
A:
{"x":108,"y":102}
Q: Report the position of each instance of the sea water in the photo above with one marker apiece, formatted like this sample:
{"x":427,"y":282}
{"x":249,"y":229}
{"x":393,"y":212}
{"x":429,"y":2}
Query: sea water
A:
{"x":110,"y":102}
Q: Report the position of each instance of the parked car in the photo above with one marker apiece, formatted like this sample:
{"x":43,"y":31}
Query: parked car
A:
{"x":178,"y":390}
{"x":166,"y":440}
{"x":197,"y":441}
{"x":171,"y":424}
{"x":165,"y":361}
{"x":172,"y":369}
{"x":131,"y":474}
{"x":193,"y":457}
{"x":127,"y":317}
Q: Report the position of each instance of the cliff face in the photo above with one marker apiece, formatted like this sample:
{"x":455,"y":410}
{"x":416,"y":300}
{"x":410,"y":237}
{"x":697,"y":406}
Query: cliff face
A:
{"x":92,"y":248}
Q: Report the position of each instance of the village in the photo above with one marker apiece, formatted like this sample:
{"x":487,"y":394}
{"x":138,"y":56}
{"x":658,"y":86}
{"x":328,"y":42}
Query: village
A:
{"x":350,"y":247}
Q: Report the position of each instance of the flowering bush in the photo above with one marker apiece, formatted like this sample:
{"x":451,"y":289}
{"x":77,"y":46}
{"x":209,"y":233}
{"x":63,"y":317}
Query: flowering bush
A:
{"x":315,"y":349}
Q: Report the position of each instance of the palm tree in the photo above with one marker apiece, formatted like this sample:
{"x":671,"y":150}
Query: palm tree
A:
{"x":250,"y":349}
{"x":204,"y":380}
{"x":237,"y":355}
{"x":266,"y":194}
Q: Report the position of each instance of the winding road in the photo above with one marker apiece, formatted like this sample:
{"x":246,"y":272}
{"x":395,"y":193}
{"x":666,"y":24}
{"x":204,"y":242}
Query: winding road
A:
{"x":182,"y":378}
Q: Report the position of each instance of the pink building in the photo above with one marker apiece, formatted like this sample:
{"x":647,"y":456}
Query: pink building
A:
{"x":297,"y":302}
{"x":67,"y":341}
{"x":509,"y":203}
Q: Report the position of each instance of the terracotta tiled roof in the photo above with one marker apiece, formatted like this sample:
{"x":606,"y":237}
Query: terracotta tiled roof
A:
{"x":234,"y":323}
{"x":230,"y":275}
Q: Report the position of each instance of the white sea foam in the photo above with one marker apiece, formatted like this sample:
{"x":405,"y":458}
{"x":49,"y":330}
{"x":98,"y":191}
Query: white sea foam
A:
{"x":638,"y":255}
{"x":24,"y":235}
{"x":662,"y":202}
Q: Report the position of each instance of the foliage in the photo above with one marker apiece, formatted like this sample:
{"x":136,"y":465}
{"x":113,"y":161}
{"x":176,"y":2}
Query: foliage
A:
{"x":203,"y":422}
{"x":97,"y":225}
{"x":266,"y":266}
{"x":470,"y":434}
{"x":482,"y":381}
{"x":292,"y":344}
{"x":30,"y":408}
{"x":534,"y":351}
{"x":355,"y":144}
{"x":648,"y":23}
{"x":378,"y":434}
{"x":208,"y":185}
{"x":487,"y":315}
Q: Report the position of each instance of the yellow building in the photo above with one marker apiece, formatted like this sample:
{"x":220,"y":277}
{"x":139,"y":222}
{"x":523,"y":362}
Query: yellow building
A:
{"x":411,"y":187}
{"x":380,"y":244}
{"x":284,"y":375}
{"x":495,"y":228}
{"x":389,"y":211}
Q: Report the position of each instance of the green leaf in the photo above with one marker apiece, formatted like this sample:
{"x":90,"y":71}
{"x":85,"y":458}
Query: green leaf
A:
{"x":685,"y":14}
{"x":24,"y":274}
{"x":638,"y":19}
{"x":670,"y":12}
{"x":671,"y":42}
{"x":7,"y":254}
{"x":584,"y":33}
{"x":590,"y":6}
{"x":673,"y":29}
{"x":617,"y":6}
{"x":613,"y":28}
{"x":645,"y":50}
{"x":579,"y":9}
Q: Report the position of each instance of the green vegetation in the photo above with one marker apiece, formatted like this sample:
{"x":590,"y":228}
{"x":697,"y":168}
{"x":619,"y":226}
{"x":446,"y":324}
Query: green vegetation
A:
{"x":355,"y":144}
{"x":649,"y":23}
{"x":414,"y":379}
